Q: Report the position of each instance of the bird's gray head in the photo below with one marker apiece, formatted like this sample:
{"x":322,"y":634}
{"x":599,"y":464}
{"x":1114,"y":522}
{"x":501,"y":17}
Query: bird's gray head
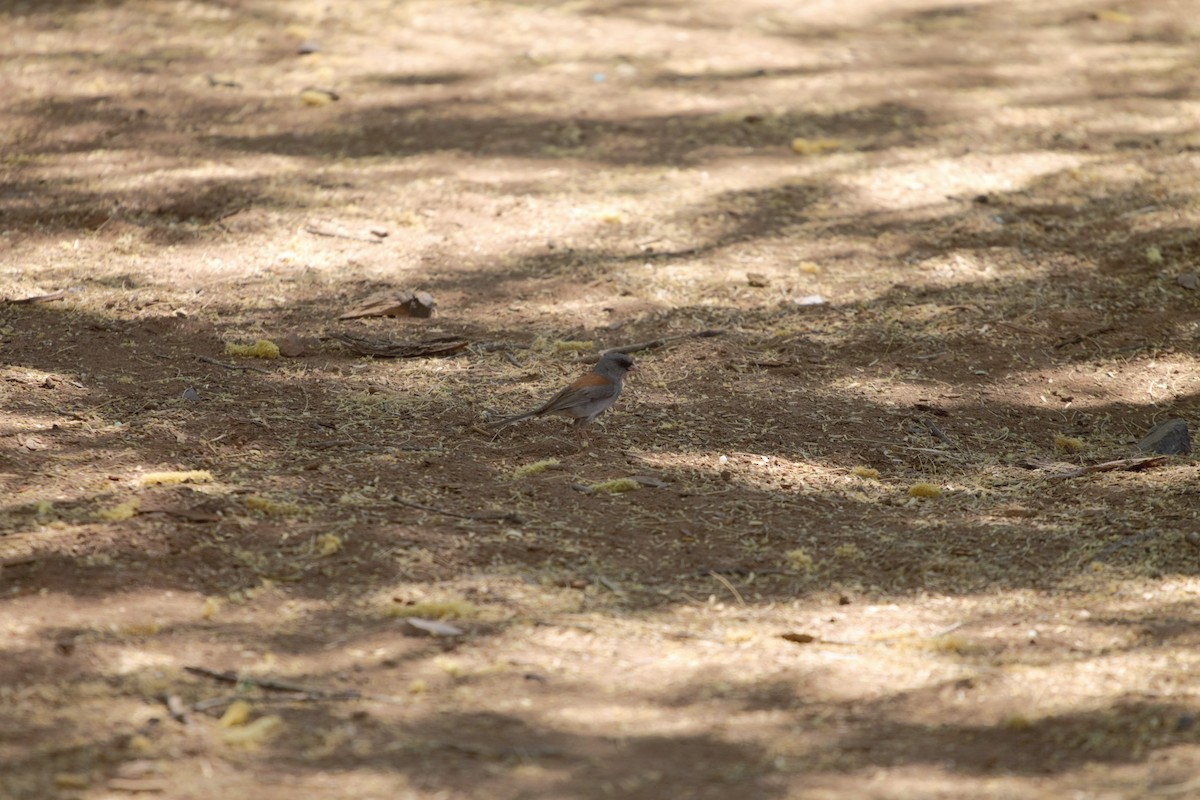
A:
{"x":614,"y":365}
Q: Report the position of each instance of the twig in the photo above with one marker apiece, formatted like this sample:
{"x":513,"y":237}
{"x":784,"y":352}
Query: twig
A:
{"x":607,"y":584}
{"x":948,"y":629}
{"x":656,"y":343}
{"x":510,"y":358}
{"x":930,"y":450}
{"x":249,"y":680}
{"x":485,"y":516}
{"x":725,"y":582}
{"x":1076,"y":339}
{"x":227,"y":365}
{"x":40,"y":298}
{"x":938,"y":433}
{"x":201,"y":706}
{"x":1176,"y":788}
{"x":488,"y":347}
{"x":19,"y":561}
{"x":334,"y":234}
{"x":297,"y":692}
{"x":234,"y":212}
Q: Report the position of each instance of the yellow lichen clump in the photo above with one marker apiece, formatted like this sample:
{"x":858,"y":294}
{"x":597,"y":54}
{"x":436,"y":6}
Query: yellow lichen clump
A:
{"x":450,"y":608}
{"x":263,"y":348}
{"x":271,"y":508}
{"x":117,"y":513}
{"x":569,"y":346}
{"x":923,"y":489}
{"x":799,"y":560}
{"x":1068,"y":444}
{"x":615,"y":486}
{"x":169,"y":478}
{"x":536,"y":468}
{"x":812,"y":147}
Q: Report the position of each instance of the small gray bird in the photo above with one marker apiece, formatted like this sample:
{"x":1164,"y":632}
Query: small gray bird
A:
{"x":588,"y":397}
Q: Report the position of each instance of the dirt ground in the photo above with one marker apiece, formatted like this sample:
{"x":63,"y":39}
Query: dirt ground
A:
{"x":950,"y":251}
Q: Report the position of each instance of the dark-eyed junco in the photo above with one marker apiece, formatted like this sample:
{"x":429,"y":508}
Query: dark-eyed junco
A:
{"x":586,"y":398}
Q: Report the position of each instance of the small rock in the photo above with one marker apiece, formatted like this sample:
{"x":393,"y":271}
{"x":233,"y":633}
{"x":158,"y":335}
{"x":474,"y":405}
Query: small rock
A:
{"x":191,"y":394}
{"x":756,"y":279}
{"x":809,"y":300}
{"x":1188,"y":280}
{"x":308,"y":48}
{"x":1168,"y":438}
{"x":292,"y":346}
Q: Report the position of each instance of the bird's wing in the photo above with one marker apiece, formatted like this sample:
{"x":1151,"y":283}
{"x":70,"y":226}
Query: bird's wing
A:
{"x":588,"y":389}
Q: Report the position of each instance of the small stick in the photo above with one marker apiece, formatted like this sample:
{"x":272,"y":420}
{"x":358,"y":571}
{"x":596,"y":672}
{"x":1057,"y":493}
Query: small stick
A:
{"x":946,"y":630}
{"x":725,"y":582}
{"x":323,"y":231}
{"x":607,"y":584}
{"x":938,"y":433}
{"x":656,"y":343}
{"x":234,"y":212}
{"x":488,"y":347}
{"x":930,"y":450}
{"x":311,"y":697}
{"x":485,"y":516}
{"x":227,"y":365}
{"x":300,"y":693}
{"x":262,"y":683}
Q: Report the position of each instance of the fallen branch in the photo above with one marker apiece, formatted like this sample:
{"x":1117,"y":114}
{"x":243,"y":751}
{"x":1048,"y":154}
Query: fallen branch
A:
{"x":1123,"y":464}
{"x":227,"y":365}
{"x":484,"y":516}
{"x":386,"y":348}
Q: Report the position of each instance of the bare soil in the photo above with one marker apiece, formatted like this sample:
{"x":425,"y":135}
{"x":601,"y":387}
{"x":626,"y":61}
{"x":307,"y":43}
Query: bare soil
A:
{"x":951,"y":251}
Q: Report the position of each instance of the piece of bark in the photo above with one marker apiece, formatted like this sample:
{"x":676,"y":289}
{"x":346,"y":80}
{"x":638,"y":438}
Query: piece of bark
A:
{"x":386,"y":348}
{"x":393,"y":304}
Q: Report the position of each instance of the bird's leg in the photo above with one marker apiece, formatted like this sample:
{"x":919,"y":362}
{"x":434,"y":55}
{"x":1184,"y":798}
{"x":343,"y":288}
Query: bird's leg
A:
{"x":582,"y":433}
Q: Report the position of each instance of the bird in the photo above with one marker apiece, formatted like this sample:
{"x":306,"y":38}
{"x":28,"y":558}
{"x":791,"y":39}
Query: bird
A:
{"x":587,"y":397}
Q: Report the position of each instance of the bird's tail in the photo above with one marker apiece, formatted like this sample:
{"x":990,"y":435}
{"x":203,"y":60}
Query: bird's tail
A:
{"x":500,"y":423}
